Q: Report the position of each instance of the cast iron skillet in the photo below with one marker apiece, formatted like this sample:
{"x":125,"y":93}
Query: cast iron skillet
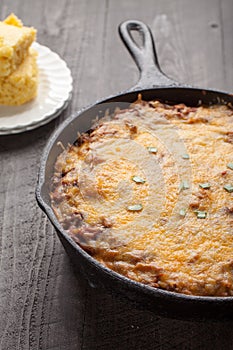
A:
{"x":153,"y":84}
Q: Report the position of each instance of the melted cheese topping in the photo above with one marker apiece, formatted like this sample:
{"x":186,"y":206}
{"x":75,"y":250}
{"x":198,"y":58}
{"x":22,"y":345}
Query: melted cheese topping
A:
{"x":164,"y":229}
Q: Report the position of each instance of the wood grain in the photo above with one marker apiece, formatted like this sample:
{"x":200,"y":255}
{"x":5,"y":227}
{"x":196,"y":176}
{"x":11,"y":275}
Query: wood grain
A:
{"x":42,"y":304}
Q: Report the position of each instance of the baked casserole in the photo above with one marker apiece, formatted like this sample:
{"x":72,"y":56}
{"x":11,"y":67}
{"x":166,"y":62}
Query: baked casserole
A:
{"x":148,"y":192}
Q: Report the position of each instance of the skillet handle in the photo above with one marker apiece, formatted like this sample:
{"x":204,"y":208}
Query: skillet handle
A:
{"x":144,"y":56}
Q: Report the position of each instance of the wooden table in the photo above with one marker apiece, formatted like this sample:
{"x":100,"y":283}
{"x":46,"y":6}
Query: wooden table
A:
{"x":42,"y":304}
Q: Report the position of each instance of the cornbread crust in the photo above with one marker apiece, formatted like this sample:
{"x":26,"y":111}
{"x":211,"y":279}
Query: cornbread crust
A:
{"x":145,"y":194}
{"x":15,"y":40}
{"x":20,"y":86}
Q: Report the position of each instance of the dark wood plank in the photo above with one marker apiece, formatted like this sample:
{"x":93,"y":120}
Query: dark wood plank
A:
{"x":42,"y":304}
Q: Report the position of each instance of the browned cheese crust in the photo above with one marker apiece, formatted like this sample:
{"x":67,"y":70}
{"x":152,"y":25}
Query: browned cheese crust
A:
{"x":149,"y":194}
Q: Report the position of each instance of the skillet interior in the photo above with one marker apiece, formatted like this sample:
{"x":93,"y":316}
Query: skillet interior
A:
{"x":165,"y":303}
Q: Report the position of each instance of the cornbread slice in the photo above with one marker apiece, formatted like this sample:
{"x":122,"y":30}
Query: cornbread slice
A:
{"x":15,"y":40}
{"x":20,"y":86}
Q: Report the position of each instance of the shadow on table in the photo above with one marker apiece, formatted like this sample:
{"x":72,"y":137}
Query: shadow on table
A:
{"x":105,"y":322}
{"x":38,"y":137}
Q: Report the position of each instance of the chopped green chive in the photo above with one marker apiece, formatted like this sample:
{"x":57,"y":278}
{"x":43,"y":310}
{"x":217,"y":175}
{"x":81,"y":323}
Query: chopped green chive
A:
{"x":185,"y":156}
{"x":230,"y":166}
{"x":205,"y":185}
{"x":152,"y":149}
{"x":182,"y":212}
{"x":228,"y":188}
{"x":201,"y":214}
{"x":138,"y":180}
{"x":136,"y":207}
{"x":184,"y":185}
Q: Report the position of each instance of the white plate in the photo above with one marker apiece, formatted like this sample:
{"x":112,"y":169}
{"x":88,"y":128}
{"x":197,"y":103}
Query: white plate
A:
{"x":54,"y":93}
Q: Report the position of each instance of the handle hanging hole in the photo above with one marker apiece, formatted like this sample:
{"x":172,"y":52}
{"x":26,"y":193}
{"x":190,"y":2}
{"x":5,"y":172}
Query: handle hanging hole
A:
{"x":138,"y":38}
